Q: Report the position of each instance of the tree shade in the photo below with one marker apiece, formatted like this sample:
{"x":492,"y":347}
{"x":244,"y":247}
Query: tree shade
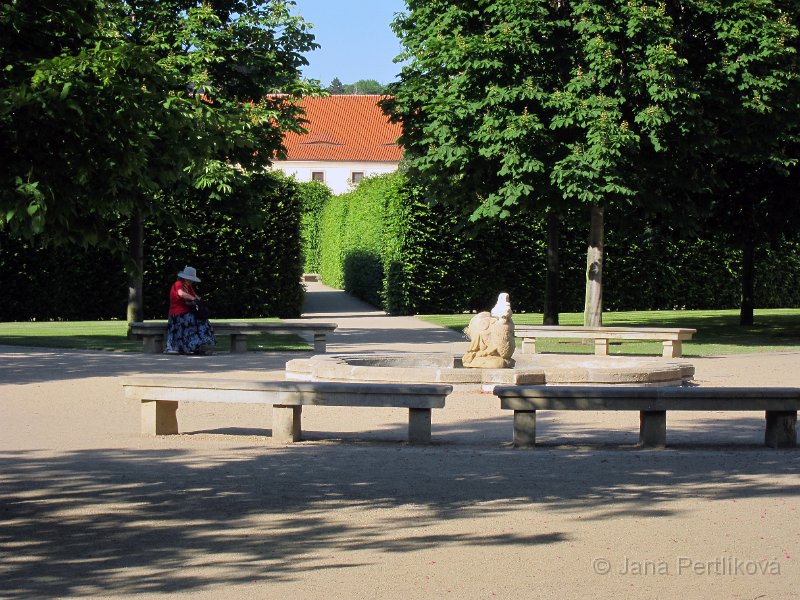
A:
{"x":542,"y":105}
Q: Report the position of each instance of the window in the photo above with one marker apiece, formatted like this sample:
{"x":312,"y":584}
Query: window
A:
{"x":356,"y":176}
{"x":318,"y":176}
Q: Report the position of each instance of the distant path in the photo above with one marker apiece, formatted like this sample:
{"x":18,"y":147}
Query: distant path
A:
{"x":363,"y":328}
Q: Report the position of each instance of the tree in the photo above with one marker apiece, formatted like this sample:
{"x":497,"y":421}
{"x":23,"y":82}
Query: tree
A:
{"x":365,"y":86}
{"x":751,"y":112}
{"x":106,"y":107}
{"x":362,"y":86}
{"x":535,"y":106}
{"x":539,"y":105}
{"x":336,"y":88}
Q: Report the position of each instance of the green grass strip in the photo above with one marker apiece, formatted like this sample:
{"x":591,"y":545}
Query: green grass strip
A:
{"x":112,"y":336}
{"x":718,"y":331}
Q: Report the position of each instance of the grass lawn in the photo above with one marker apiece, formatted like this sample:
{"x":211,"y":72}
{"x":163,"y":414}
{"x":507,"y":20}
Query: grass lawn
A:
{"x":112,"y":336}
{"x":718,"y":331}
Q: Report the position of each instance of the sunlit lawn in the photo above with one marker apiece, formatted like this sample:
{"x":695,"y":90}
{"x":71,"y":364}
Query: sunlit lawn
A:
{"x":718,"y":331}
{"x":112,"y":336}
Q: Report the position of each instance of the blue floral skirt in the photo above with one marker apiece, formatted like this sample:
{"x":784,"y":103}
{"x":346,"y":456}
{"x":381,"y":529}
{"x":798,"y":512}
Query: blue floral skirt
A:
{"x":185,"y":334}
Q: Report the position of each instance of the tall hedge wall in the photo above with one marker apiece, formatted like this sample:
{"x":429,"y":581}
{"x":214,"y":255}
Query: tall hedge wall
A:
{"x":382,"y":243}
{"x":246,"y":247}
{"x":73,"y":284}
{"x":353,"y":240}
{"x":313,"y":196}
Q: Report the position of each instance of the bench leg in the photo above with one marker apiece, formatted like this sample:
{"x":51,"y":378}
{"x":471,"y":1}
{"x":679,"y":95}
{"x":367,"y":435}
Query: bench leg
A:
{"x":524,"y":428}
{"x":781,"y":429}
{"x":238,"y":344}
{"x":528,"y":346}
{"x":286,"y":423}
{"x":653,"y":428}
{"x":419,"y":425}
{"x":672,"y":349}
{"x":319,"y":343}
{"x":601,"y":347}
{"x":159,"y":417}
{"x":153,"y":344}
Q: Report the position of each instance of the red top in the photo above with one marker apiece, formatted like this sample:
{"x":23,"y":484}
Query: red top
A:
{"x":178,"y":305}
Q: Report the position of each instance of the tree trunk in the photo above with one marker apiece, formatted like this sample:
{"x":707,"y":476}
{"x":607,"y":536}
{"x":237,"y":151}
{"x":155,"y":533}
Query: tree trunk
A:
{"x":593,"y":304}
{"x":551,"y":292}
{"x":748,"y":284}
{"x":135,"y":267}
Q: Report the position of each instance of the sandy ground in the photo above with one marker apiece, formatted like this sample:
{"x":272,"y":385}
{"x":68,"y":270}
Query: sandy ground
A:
{"x":90,"y":508}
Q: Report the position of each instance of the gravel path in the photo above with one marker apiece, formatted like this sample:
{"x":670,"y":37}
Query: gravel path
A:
{"x":89,"y":508}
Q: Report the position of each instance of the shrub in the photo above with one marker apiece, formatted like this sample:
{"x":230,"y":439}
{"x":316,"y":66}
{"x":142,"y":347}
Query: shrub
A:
{"x":313,"y":196}
{"x":246,"y":246}
{"x":386,"y":245}
{"x":59,"y":283}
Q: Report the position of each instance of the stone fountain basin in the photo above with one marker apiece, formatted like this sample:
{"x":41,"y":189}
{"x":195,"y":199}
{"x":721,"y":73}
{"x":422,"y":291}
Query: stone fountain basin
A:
{"x":530,"y":369}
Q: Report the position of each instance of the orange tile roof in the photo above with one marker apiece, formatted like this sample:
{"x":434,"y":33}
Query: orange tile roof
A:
{"x":345,"y":128}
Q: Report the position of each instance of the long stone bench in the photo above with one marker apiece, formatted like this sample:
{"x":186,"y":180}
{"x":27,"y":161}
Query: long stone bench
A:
{"x":671,"y":338}
{"x":160,"y":397}
{"x":153,"y":333}
{"x":780,"y":405}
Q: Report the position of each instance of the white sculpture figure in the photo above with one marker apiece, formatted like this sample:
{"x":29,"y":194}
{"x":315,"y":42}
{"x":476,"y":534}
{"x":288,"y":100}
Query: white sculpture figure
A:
{"x":502,"y":308}
{"x":492,"y":338}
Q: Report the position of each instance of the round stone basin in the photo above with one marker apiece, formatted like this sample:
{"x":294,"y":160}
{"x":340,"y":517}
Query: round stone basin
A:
{"x":530,"y":369}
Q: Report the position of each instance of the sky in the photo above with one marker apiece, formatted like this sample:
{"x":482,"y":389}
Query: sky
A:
{"x":356,"y":41}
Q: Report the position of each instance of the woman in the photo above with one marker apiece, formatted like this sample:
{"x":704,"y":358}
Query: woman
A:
{"x":185,"y":333}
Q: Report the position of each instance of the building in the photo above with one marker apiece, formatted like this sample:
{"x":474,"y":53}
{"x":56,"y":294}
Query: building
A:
{"x":348,"y":138}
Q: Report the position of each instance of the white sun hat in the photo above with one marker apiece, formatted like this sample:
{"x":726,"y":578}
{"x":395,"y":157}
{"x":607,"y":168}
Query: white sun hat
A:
{"x":189,"y":273}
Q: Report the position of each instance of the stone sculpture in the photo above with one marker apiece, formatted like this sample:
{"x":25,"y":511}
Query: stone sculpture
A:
{"x":492,"y":338}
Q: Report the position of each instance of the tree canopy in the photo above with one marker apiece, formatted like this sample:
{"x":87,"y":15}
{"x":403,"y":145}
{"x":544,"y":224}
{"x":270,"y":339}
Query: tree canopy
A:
{"x":512,"y":105}
{"x":362,"y":86}
{"x":105,"y":104}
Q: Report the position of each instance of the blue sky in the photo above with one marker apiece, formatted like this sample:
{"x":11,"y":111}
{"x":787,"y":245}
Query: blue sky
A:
{"x":355,"y":39}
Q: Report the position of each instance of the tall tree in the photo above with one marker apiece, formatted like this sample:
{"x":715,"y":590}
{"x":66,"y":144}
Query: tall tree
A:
{"x":752,"y":110}
{"x":336,"y":87}
{"x":535,"y":105}
{"x":538,"y":105}
{"x":365,"y":86}
{"x":108,"y":105}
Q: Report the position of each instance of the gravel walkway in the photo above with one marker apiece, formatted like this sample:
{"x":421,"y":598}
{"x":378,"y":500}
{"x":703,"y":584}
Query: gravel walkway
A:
{"x":89,"y":508}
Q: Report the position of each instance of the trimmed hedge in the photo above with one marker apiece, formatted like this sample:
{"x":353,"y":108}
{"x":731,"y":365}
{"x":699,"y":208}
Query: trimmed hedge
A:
{"x":384,"y":244}
{"x":62,"y":283}
{"x":313,"y":195}
{"x":245,"y":245}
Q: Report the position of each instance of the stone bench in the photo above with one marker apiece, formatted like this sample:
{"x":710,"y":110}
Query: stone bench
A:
{"x":671,"y":338}
{"x":160,"y":397}
{"x":153,"y":333}
{"x":779,"y":404}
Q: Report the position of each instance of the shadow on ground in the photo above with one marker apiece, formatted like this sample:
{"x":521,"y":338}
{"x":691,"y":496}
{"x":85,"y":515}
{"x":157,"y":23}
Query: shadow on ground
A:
{"x":90,"y":522}
{"x":27,"y":365}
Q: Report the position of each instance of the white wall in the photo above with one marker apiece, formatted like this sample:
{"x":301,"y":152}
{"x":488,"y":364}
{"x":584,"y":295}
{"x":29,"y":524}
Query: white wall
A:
{"x":337,"y":174}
